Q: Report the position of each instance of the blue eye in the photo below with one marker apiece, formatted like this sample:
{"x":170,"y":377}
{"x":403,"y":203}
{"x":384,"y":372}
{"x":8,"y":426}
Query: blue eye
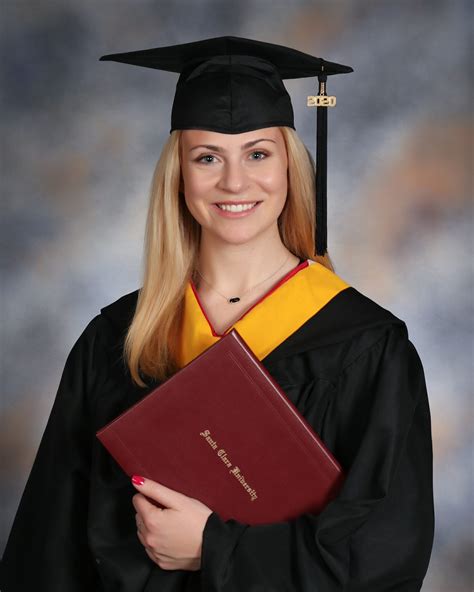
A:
{"x":204,"y":156}
{"x":259,"y":152}
{"x":200,"y":159}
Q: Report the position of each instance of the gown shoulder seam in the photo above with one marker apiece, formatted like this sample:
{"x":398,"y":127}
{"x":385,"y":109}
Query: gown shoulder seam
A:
{"x":367,"y":350}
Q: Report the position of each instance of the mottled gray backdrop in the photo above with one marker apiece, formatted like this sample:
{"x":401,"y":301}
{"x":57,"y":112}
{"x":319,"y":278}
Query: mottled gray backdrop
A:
{"x":79,"y":141}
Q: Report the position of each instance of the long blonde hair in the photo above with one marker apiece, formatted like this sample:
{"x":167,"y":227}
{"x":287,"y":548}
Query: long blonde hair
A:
{"x":171,"y":249}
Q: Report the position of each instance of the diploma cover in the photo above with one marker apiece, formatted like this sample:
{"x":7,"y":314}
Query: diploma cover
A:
{"x":222,"y":430}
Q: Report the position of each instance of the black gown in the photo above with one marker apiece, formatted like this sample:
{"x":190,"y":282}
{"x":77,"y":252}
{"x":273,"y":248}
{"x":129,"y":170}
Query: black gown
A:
{"x":353,"y":373}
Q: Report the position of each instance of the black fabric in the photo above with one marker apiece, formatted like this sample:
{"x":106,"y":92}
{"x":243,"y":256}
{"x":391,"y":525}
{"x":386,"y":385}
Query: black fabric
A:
{"x":352,"y":372}
{"x":230,"y":84}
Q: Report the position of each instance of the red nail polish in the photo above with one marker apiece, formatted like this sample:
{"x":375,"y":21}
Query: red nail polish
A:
{"x":138,"y":480}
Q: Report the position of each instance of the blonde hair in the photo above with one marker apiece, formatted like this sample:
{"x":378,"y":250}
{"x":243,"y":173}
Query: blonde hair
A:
{"x":171,"y":249}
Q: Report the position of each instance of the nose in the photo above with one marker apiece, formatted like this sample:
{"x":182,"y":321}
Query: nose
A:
{"x":233,"y":177}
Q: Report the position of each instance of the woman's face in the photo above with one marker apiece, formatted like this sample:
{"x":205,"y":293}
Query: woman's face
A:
{"x":231,"y":168}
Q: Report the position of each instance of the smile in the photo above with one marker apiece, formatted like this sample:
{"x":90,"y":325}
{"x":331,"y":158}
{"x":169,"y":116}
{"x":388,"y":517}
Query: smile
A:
{"x":236,"y":211}
{"x":236,"y":207}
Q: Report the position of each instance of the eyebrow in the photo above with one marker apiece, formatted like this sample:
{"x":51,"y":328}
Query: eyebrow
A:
{"x":219,"y":149}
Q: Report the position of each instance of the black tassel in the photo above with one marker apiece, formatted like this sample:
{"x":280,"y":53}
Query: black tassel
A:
{"x":321,"y":172}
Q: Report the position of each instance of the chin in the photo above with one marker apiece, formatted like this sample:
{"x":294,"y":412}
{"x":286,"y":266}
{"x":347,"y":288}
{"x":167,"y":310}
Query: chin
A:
{"x":242,"y":238}
{"x":237,"y":240}
{"x":239,"y":236}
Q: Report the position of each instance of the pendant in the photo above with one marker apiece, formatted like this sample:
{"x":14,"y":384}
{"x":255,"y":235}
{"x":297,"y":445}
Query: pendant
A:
{"x":234,"y":299}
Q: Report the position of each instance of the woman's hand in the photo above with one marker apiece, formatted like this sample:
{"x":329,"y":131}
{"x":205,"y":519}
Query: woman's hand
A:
{"x":172,"y":536}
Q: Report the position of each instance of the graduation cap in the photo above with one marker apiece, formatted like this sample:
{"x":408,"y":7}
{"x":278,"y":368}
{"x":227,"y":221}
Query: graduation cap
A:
{"x":234,"y":85}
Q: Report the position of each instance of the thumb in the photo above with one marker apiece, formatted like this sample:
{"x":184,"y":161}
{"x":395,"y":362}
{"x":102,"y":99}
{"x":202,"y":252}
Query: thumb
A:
{"x":157,"y":492}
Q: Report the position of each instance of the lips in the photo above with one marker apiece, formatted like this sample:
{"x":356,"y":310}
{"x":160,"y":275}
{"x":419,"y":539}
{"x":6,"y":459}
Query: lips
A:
{"x":237,"y":208}
{"x":239,"y":213}
{"x":235,"y":203}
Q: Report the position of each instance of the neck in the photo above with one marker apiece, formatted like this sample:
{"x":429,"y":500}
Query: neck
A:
{"x":233,"y":268}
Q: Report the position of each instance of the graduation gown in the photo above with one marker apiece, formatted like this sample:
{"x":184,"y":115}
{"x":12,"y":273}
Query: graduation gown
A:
{"x":349,"y":367}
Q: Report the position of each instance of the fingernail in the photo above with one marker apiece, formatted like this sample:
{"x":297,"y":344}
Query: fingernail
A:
{"x":138,"y":480}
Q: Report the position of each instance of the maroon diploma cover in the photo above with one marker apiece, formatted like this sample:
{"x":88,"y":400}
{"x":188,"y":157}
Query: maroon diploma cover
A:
{"x":221,"y":430}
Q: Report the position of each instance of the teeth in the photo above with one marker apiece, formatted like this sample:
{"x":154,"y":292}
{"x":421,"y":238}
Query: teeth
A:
{"x":235,"y":208}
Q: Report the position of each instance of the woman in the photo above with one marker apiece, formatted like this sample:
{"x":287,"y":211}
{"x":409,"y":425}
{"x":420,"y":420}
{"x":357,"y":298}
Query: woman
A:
{"x":344,"y":361}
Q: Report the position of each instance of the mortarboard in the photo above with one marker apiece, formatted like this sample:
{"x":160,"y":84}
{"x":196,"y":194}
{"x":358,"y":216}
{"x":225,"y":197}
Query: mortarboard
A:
{"x":234,"y":85}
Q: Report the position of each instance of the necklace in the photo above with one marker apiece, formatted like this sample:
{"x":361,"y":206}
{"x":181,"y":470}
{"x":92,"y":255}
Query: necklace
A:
{"x":237,"y":298}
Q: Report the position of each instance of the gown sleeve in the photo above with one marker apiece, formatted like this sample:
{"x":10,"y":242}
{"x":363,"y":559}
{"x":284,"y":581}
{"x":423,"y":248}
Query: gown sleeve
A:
{"x":47,"y":548}
{"x":377,"y":534}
